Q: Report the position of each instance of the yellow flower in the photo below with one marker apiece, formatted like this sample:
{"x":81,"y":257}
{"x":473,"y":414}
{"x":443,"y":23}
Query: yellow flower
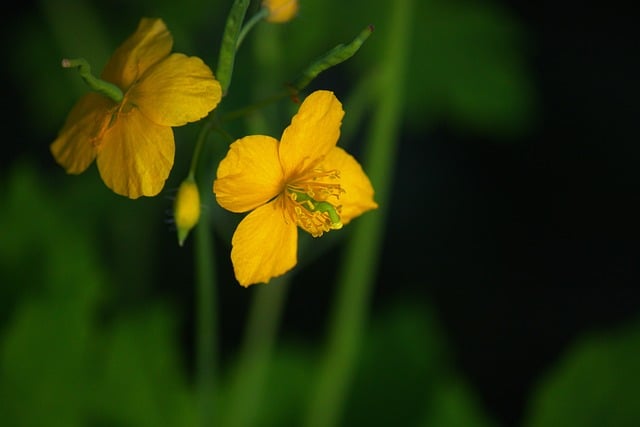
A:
{"x":280,"y":10}
{"x":132,"y":140}
{"x":304,"y":180}
{"x":186,"y":208}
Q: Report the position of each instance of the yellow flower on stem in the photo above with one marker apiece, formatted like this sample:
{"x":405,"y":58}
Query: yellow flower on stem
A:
{"x":280,"y":10}
{"x":304,"y":180}
{"x":132,"y":140}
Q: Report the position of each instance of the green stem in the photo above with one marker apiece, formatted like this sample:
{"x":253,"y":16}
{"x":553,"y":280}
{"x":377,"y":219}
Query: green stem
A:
{"x":357,"y":276}
{"x":207,"y":327}
{"x":207,"y":126}
{"x":331,"y":58}
{"x":229,"y":44}
{"x":102,"y":87}
{"x":244,"y":111}
{"x":262,"y":13}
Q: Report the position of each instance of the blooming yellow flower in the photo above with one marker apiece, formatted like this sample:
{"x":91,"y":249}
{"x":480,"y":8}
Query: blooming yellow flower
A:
{"x":304,"y":180}
{"x":132,"y":140}
{"x":280,"y":10}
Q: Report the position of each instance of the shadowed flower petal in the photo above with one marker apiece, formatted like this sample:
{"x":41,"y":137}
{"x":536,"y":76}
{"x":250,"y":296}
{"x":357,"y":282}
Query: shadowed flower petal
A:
{"x":313,"y":131}
{"x":188,"y":91}
{"x":264,"y":245}
{"x":77,"y":144}
{"x":136,"y":157}
{"x":151,"y":43}
{"x":250,"y":174}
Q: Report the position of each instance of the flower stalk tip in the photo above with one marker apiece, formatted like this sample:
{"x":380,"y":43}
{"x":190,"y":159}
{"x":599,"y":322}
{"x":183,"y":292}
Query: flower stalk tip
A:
{"x":107,"y":89}
{"x":335,"y":56}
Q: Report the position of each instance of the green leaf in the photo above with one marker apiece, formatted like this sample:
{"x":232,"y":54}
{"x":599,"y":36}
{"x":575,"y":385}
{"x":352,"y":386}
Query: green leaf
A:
{"x":454,"y":404}
{"x":62,"y":361}
{"x":402,"y":361}
{"x":596,"y":383}
{"x":51,"y":278}
{"x":468,"y":60}
{"x":287,"y":388}
{"x":140,"y":382}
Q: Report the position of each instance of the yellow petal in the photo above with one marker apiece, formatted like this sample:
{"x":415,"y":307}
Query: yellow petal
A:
{"x":76,"y":145}
{"x":176,"y":91}
{"x":150,"y":43}
{"x":313,"y":132}
{"x":264,"y":245}
{"x":250,"y":174}
{"x":358,"y":192}
{"x":136,"y":156}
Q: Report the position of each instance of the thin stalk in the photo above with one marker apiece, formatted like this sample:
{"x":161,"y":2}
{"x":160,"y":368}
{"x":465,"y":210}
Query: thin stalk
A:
{"x":207,"y":126}
{"x":262,"y":13}
{"x":357,"y":276}
{"x":227,"y":54}
{"x":207,"y":324}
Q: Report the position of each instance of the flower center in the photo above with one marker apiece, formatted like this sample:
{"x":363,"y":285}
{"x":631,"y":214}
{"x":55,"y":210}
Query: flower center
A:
{"x":310,"y":204}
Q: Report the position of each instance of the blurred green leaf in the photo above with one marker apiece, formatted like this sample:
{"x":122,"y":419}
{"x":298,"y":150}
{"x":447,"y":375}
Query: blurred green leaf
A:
{"x":51,"y":279}
{"x":455,"y":405}
{"x":43,"y":365}
{"x":402,"y":361}
{"x":140,"y":382}
{"x":470,"y":67}
{"x":468,"y":63}
{"x":64,"y":359}
{"x":287,"y":389}
{"x":596,"y":383}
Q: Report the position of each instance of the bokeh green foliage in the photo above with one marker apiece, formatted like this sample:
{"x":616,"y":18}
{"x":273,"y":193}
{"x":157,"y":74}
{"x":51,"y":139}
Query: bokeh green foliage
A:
{"x":69,"y":357}
{"x":77,"y":349}
{"x":595,"y":383}
{"x":69,"y":353}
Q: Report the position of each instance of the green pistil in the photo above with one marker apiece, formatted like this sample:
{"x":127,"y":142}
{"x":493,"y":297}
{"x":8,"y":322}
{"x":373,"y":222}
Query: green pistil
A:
{"x":313,"y":205}
{"x":105,"y":88}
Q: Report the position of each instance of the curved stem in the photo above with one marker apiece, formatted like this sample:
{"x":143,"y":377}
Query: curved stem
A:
{"x":262,"y":13}
{"x":357,"y":276}
{"x":206,"y":323}
{"x":206,"y":128}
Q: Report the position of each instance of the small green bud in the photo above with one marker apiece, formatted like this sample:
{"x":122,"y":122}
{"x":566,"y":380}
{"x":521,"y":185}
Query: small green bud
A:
{"x":186,"y":209}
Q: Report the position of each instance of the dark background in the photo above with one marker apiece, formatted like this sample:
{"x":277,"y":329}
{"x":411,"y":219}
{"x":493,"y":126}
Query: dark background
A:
{"x":522,"y":243}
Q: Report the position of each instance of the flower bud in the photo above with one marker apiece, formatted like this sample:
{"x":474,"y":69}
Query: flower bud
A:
{"x":280,"y":10}
{"x":186,"y":209}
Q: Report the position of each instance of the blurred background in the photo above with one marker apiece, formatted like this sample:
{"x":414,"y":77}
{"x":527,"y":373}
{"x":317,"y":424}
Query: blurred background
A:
{"x":506,"y":292}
